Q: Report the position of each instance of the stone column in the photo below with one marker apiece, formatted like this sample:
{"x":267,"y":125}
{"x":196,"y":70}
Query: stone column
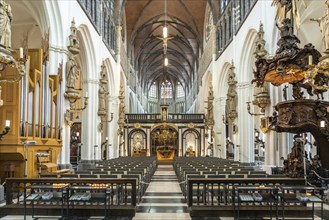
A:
{"x":64,"y":157}
{"x":219,"y":128}
{"x":277,"y":145}
{"x":113,"y":127}
{"x":89,"y":129}
{"x":245,"y":134}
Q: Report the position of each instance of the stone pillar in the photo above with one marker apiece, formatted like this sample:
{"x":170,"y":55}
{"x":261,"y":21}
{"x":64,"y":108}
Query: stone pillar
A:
{"x":245,"y":134}
{"x":277,"y":145}
{"x":64,"y":157}
{"x":219,"y":129}
{"x":89,"y":129}
{"x":113,"y":128}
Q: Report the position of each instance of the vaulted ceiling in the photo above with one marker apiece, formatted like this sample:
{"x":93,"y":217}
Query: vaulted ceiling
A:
{"x":145,"y":20}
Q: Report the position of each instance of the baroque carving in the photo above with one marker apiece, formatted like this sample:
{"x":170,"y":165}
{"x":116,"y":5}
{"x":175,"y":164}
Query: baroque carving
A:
{"x":289,"y":64}
{"x":72,"y":69}
{"x":102,"y":92}
{"x":45,"y":47}
{"x":260,"y":50}
{"x":72,"y":75}
{"x":299,"y":116}
{"x":122,"y":107}
{"x":231,"y":101}
{"x":210,"y":122}
{"x":74,"y":46}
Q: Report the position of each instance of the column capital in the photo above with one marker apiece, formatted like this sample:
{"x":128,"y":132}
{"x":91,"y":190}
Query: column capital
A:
{"x":118,"y":27}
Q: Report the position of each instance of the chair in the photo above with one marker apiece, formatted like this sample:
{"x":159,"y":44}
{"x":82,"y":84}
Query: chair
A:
{"x":88,"y":176}
{"x":217,"y":176}
{"x":236,"y":176}
{"x":99,"y":172}
{"x":108,"y":176}
{"x":82,"y":172}
{"x":256,"y":176}
{"x":258,"y":172}
{"x":69,"y":176}
{"x":48,"y":176}
{"x":117,"y":172}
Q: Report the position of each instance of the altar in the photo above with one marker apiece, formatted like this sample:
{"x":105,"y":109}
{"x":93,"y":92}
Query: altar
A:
{"x":164,"y":135}
{"x":165,"y":154}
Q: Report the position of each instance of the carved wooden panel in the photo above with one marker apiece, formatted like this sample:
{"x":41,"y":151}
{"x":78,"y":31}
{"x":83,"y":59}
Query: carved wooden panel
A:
{"x":300,"y":116}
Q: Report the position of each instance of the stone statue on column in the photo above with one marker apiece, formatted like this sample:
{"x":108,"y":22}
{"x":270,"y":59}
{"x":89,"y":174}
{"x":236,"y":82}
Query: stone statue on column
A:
{"x":102,"y":96}
{"x":210,"y":122}
{"x":122,"y":107}
{"x":231,"y":101}
{"x":5,"y":34}
{"x":5,"y":24}
{"x":102,"y":92}
{"x":210,"y":113}
{"x":72,"y":70}
{"x":72,"y":74}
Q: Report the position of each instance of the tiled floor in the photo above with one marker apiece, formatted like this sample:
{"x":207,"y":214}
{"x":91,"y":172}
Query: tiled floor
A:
{"x":163,"y":198}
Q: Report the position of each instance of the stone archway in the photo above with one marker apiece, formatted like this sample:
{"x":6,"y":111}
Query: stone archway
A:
{"x":137,"y":143}
{"x":164,"y":137}
{"x":191,"y":143}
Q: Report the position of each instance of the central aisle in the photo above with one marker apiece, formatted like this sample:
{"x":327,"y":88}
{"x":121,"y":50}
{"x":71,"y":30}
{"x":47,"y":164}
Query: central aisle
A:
{"x":163,"y":198}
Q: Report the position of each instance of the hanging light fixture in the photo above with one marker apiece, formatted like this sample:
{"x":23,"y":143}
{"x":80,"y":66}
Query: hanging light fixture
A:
{"x":166,"y":62}
{"x":165,"y":32}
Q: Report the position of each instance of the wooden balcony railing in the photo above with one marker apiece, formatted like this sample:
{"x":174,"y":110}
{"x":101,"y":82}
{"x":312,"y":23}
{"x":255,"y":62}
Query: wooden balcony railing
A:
{"x":172,"y":118}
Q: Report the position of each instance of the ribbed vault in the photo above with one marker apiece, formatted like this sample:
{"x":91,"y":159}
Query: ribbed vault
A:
{"x":144,"y":24}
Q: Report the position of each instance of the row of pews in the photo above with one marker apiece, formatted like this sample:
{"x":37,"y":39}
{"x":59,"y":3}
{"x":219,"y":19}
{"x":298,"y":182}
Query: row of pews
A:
{"x":218,"y":187}
{"x":110,"y":188}
{"x":140,"y":169}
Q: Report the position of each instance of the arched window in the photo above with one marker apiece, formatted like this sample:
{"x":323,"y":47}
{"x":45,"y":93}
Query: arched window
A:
{"x":180,"y":90}
{"x":166,"y":90}
{"x":153,"y":91}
